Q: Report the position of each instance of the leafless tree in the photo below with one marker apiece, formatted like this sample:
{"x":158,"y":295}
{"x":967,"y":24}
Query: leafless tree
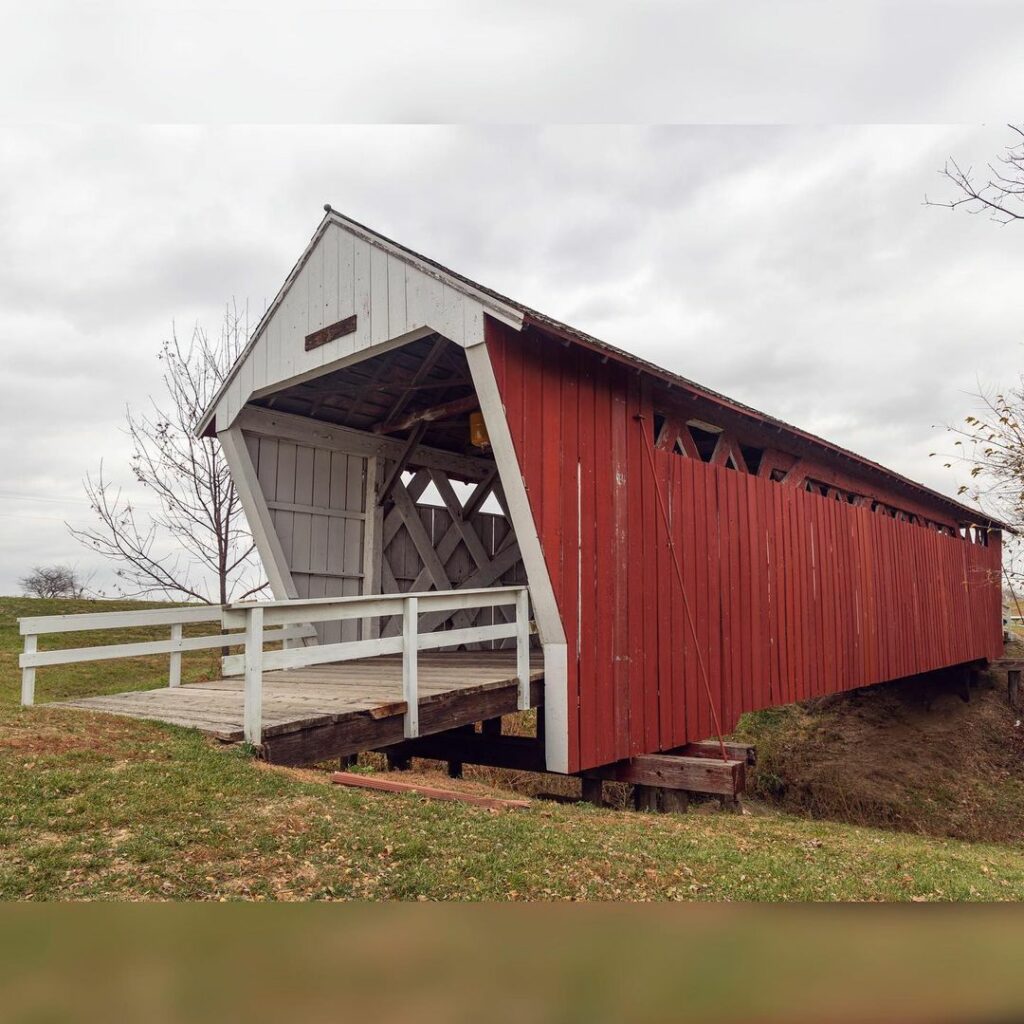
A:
{"x":990,"y":444}
{"x":196,"y":544}
{"x":55,"y":581}
{"x":998,"y":190}
{"x":991,"y":441}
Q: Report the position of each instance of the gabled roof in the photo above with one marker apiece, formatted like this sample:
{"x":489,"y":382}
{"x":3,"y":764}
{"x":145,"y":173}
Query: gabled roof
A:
{"x":520,"y":315}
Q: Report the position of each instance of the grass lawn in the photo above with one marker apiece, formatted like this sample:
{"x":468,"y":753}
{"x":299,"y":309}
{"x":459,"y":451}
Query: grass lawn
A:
{"x":97,"y":807}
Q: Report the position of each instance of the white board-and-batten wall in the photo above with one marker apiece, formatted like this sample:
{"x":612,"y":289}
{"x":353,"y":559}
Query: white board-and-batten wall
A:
{"x":316,"y":498}
{"x":307,"y":506}
{"x":346,"y":272}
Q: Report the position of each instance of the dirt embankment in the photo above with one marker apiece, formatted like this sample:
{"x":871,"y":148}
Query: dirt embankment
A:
{"x":911,"y":755}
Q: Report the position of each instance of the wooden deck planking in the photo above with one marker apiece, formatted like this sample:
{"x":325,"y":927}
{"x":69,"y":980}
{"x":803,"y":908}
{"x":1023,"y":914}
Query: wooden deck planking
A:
{"x":299,"y":699}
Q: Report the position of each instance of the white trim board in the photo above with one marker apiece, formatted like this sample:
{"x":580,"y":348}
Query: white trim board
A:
{"x":257,"y":514}
{"x":287,"y":426}
{"x":542,"y":594}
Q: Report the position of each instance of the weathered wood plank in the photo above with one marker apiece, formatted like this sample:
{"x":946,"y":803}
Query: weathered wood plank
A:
{"x":118,"y":620}
{"x":359,"y":732}
{"x":710,"y":748}
{"x":358,"y":701}
{"x":302,"y":430}
{"x":667,"y":771}
{"x":431,"y":792}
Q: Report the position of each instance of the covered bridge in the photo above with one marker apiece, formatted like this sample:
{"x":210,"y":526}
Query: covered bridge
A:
{"x":395,"y":427}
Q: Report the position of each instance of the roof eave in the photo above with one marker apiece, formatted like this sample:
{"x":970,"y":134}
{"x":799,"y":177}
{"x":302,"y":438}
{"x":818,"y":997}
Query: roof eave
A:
{"x":573,"y":336}
{"x":504,"y":309}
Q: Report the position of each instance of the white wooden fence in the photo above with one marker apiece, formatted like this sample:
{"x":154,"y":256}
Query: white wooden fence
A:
{"x":289,"y":621}
{"x":176,"y":618}
{"x":255,"y":617}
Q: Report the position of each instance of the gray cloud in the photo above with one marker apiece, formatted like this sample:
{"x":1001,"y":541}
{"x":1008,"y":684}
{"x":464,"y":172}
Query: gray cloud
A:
{"x":453,"y":60}
{"x":794,"y":268}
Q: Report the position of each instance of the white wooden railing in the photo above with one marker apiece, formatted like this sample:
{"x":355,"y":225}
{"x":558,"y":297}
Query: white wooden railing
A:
{"x":255,"y":617}
{"x":176,"y":618}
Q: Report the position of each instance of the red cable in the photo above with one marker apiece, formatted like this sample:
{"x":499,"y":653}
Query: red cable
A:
{"x":682,"y":586}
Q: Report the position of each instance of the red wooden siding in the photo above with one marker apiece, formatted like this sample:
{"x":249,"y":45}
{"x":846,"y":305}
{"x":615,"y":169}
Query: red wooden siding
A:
{"x":793,"y":594}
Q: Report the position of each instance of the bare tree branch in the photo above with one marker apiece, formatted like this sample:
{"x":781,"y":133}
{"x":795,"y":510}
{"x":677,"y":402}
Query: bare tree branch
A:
{"x":999,"y":191}
{"x":198,"y":532}
{"x":990,"y":443}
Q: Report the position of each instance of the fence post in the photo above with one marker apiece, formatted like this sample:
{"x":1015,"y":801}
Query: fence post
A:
{"x":28,"y":675}
{"x":410,"y":651}
{"x":253,"y":715}
{"x":174,"y":676}
{"x":523,"y":647}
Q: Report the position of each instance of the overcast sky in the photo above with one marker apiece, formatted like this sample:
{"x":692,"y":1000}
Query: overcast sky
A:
{"x":794,"y":268}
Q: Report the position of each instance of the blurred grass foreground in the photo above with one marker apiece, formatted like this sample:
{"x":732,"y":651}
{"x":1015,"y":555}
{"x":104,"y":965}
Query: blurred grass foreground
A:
{"x":511,"y":964}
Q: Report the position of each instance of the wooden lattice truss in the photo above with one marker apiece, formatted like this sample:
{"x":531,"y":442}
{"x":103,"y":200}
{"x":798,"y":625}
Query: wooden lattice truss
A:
{"x":450,"y":547}
{"x":722,"y":447}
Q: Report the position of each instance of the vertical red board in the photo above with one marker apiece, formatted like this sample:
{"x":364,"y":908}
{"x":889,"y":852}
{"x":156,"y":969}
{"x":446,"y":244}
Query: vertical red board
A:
{"x":663,"y":576}
{"x":568,"y":542}
{"x":605,"y":560}
{"x":792,"y":594}
{"x":588,"y":612}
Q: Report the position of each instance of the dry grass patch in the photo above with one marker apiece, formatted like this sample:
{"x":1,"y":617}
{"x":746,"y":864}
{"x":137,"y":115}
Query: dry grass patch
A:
{"x":99,"y":808}
{"x":908,"y":756}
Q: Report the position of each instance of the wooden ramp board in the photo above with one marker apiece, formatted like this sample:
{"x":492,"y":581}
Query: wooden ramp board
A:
{"x":323,"y":710}
{"x":430,"y":792}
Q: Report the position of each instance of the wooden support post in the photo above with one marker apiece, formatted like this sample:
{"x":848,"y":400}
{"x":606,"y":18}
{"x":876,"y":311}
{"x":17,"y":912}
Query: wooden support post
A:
{"x":661,"y":800}
{"x":523,"y":648}
{"x":399,"y":467}
{"x":28,"y":675}
{"x":174,"y":675}
{"x":492,"y":726}
{"x":253,"y":707}
{"x":445,"y":411}
{"x":645,"y":798}
{"x":675,"y":801}
{"x":455,"y":763}
{"x":1012,"y":685}
{"x":373,"y":524}
{"x":410,"y":682}
{"x":520,"y":753}
{"x":540,"y":723}
{"x":593,"y":791}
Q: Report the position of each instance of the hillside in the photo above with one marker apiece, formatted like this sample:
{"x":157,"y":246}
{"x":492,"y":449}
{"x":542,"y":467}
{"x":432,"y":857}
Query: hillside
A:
{"x":910,"y":755}
{"x":101,"y":807}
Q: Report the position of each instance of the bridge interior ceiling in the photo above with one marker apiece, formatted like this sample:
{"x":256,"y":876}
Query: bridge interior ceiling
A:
{"x":390,"y":393}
